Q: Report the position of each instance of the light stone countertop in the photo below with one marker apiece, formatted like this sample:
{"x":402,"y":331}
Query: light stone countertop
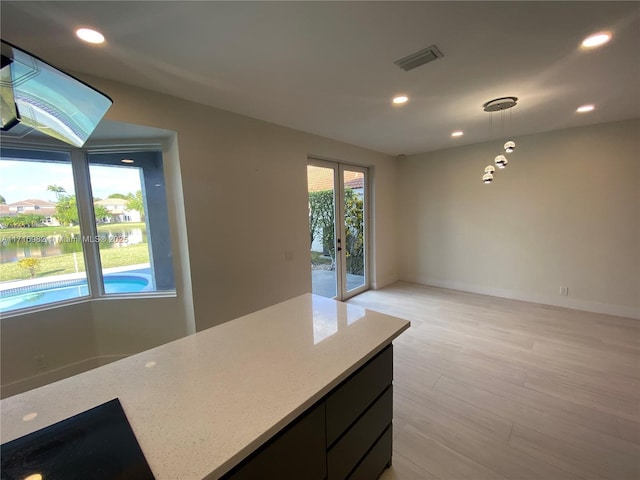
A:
{"x":201,"y":404}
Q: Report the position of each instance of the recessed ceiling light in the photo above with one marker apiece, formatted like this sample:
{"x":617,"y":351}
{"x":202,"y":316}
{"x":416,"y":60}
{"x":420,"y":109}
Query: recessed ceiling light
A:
{"x":596,"y":39}
{"x":457,"y":133}
{"x":585,"y":108}
{"x":400,"y":99}
{"x":126,"y":160}
{"x":89,"y":35}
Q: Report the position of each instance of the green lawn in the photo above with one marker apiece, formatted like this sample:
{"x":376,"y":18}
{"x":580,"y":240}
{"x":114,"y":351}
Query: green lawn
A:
{"x":123,"y":256}
{"x":61,"y":264}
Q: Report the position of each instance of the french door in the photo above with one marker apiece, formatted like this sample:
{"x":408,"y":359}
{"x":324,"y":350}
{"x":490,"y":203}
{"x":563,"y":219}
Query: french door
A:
{"x":338,"y":228}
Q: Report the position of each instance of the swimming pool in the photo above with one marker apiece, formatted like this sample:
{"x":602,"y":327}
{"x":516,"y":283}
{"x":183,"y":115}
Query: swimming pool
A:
{"x":36,"y":295}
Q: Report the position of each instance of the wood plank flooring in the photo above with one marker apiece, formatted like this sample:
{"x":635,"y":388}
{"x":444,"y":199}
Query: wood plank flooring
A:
{"x":490,"y":388}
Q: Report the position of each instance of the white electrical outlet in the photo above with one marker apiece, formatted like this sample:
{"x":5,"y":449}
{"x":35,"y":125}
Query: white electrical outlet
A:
{"x":564,"y":291}
{"x":41,"y":362}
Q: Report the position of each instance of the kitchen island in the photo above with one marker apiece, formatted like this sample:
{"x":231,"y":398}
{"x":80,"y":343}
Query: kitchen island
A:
{"x":213,"y":404}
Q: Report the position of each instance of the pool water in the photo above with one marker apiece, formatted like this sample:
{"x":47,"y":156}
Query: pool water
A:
{"x":49,"y":294}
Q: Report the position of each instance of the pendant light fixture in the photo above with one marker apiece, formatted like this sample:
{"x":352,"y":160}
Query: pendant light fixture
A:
{"x":499,"y":105}
{"x":488,"y":174}
{"x":501,"y":161}
{"x":510,"y":146}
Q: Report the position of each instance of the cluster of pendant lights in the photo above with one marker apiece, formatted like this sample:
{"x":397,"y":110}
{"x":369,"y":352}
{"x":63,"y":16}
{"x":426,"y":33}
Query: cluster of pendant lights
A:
{"x":504,"y":103}
{"x":501,"y":160}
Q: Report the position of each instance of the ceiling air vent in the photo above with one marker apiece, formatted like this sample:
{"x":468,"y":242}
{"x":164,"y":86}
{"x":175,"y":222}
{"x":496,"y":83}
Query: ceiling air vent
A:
{"x":414,"y":60}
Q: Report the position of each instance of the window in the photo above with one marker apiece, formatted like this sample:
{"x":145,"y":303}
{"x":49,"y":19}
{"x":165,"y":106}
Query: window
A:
{"x":39,"y":264}
{"x":98,"y":226}
{"x":135,"y":233}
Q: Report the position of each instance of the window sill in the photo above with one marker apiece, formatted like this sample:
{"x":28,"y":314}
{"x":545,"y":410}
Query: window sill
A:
{"x":81,"y":300}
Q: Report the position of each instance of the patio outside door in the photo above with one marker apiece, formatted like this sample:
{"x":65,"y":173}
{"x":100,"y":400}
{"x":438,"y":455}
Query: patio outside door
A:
{"x":338,"y":228}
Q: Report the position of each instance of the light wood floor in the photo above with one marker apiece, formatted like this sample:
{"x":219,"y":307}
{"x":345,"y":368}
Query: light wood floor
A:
{"x":489,"y":388}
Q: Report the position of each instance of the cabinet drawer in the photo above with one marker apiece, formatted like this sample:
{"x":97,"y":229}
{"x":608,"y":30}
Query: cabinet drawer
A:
{"x":297,"y":452}
{"x":353,"y":397}
{"x":353,"y":446}
{"x":377,"y":459}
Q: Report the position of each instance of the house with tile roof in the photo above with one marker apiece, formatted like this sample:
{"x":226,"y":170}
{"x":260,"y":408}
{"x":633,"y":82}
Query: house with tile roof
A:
{"x":31,"y":206}
{"x":320,"y":179}
{"x":118,"y":211}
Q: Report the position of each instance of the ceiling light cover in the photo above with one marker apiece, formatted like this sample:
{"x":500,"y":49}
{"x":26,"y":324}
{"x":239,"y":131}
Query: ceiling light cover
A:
{"x":400,"y":99}
{"x":126,"y":160}
{"x":90,"y":35}
{"x":596,"y":39}
{"x":457,"y":133}
{"x":585,"y":108}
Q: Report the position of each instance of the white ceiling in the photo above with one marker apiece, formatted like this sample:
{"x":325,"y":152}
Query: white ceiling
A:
{"x":327,"y":67}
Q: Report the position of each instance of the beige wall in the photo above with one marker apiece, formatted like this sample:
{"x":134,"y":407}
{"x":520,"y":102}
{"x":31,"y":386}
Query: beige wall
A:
{"x":244,"y":184}
{"x":69,"y":329}
{"x":245,"y":205}
{"x":566,"y":212}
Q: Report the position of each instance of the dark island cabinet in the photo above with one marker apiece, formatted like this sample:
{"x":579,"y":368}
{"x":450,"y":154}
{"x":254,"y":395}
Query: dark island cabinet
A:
{"x":298,"y":452}
{"x":345,"y":436}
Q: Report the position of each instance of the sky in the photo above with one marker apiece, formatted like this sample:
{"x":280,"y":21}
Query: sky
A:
{"x":20,"y":180}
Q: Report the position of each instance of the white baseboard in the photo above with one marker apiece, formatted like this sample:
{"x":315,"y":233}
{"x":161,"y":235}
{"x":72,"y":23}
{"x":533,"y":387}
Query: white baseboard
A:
{"x":557,"y":301}
{"x":53,"y":375}
{"x":384,"y":282}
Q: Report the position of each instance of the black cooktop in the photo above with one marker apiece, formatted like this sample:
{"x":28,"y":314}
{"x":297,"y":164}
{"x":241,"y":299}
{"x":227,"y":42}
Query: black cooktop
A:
{"x":97,"y":444}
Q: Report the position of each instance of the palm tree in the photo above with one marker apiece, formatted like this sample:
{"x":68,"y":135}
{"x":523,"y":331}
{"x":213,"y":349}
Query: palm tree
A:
{"x":57,"y":189}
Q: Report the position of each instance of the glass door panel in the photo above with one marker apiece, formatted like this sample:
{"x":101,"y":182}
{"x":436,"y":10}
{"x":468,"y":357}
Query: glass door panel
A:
{"x":322,"y":195}
{"x":353,"y":183}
